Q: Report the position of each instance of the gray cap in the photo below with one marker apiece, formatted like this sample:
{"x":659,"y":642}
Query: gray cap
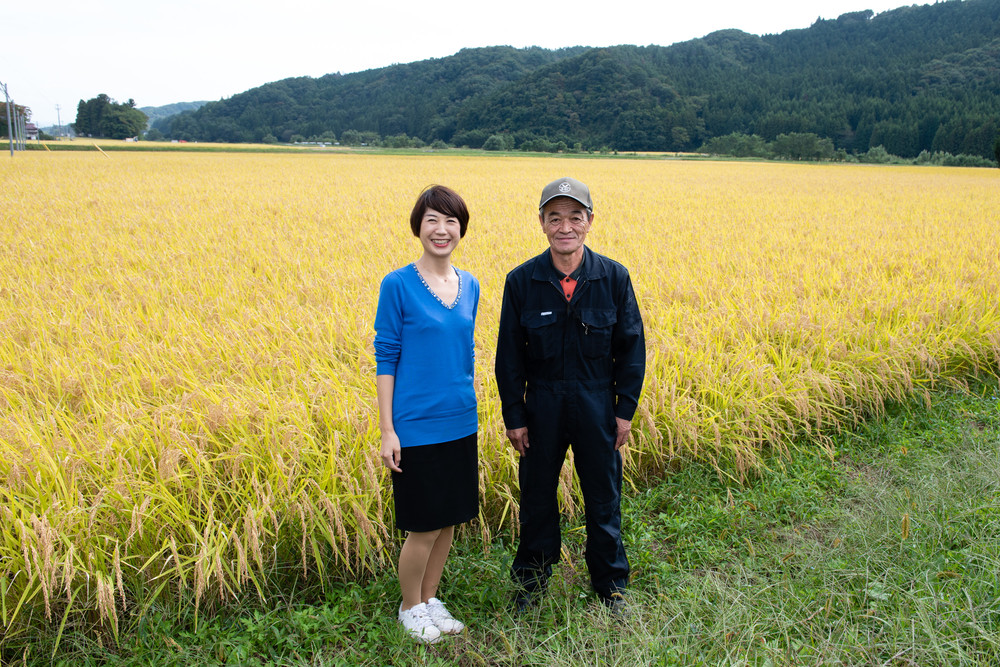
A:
{"x":567,"y":187}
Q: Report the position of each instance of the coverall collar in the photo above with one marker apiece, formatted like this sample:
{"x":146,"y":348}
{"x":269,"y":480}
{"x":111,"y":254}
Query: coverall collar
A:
{"x":590,"y":268}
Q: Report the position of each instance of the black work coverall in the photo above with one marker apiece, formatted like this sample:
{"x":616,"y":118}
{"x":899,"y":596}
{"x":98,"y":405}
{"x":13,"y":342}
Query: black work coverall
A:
{"x":566,"y":370}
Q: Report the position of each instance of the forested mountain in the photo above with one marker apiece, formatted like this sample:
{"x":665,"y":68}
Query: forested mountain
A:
{"x":911,"y":79}
{"x":157,"y":113}
{"x":418,"y":99}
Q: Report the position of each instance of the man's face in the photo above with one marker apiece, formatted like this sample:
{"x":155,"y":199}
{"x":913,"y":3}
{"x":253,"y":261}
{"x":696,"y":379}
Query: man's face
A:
{"x":565,"y":222}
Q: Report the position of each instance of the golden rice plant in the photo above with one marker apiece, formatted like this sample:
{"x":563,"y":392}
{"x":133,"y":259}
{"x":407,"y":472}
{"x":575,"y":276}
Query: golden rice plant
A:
{"x":187,"y":407}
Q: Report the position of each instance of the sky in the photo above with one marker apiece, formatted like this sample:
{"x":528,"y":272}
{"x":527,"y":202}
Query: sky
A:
{"x":57,"y":52}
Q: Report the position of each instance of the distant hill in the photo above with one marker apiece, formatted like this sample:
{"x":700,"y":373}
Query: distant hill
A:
{"x":911,"y":79}
{"x":417,"y":99}
{"x":167,"y":110}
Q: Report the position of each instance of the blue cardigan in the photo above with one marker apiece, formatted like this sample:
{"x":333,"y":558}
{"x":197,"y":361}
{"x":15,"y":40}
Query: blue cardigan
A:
{"x":429,"y":348}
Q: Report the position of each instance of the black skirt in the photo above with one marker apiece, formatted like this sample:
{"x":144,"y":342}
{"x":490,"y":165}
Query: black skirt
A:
{"x":439,"y":485}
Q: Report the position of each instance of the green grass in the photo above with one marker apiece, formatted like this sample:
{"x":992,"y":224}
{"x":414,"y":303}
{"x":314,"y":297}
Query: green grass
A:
{"x":886,"y":553}
{"x":85,"y":144}
{"x":110,"y":146}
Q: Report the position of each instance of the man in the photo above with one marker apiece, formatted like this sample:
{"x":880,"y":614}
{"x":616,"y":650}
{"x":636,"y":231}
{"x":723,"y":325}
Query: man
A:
{"x":570,"y":364}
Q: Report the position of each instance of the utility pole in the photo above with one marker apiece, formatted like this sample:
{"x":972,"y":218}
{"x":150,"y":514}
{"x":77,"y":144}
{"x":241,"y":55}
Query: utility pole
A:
{"x":10,"y":132}
{"x":58,"y":121}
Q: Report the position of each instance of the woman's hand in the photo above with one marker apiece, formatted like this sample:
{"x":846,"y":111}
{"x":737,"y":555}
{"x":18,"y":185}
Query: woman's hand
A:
{"x":391,"y":451}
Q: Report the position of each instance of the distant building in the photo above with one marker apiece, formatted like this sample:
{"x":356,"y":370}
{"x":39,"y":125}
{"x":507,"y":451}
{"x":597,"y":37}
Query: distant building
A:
{"x":31,"y":131}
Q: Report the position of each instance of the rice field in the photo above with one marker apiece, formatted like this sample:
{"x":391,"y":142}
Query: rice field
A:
{"x":187,"y":401}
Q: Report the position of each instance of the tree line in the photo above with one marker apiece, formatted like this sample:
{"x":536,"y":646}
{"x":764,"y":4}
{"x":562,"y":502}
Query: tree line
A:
{"x":101,"y":116}
{"x":809,"y":146}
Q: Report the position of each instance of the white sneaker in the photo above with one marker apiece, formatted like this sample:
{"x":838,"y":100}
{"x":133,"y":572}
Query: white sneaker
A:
{"x":419,"y":624}
{"x":442,"y":619}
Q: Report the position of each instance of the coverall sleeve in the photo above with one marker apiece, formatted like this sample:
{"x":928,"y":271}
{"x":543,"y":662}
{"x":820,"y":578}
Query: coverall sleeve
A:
{"x":510,"y":359}
{"x":629,"y":350}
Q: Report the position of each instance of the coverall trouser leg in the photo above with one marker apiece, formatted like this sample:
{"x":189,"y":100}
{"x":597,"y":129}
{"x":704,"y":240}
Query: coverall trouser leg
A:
{"x":585,"y":420}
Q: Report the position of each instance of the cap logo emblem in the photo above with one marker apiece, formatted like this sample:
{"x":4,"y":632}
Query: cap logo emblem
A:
{"x":565,"y":186}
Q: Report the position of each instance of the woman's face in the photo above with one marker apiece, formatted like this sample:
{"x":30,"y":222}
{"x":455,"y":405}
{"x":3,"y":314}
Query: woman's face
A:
{"x":439,"y":233}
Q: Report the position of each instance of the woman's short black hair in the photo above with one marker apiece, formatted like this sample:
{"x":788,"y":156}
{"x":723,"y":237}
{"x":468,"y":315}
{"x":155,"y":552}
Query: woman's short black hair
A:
{"x":443,"y":199}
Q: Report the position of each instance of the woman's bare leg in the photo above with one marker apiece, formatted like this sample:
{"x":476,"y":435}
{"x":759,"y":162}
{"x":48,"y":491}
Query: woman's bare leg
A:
{"x":414,"y":562}
{"x":435,"y":563}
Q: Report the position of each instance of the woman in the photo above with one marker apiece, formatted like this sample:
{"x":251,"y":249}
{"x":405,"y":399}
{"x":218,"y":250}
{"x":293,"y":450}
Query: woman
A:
{"x":427,"y":405}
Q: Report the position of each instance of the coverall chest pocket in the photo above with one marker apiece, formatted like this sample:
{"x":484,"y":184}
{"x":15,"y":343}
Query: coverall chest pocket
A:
{"x":598,"y":326}
{"x":542,"y":333}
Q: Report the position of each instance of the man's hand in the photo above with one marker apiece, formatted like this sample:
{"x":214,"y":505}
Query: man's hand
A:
{"x":519,"y":438}
{"x":624,"y":428}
